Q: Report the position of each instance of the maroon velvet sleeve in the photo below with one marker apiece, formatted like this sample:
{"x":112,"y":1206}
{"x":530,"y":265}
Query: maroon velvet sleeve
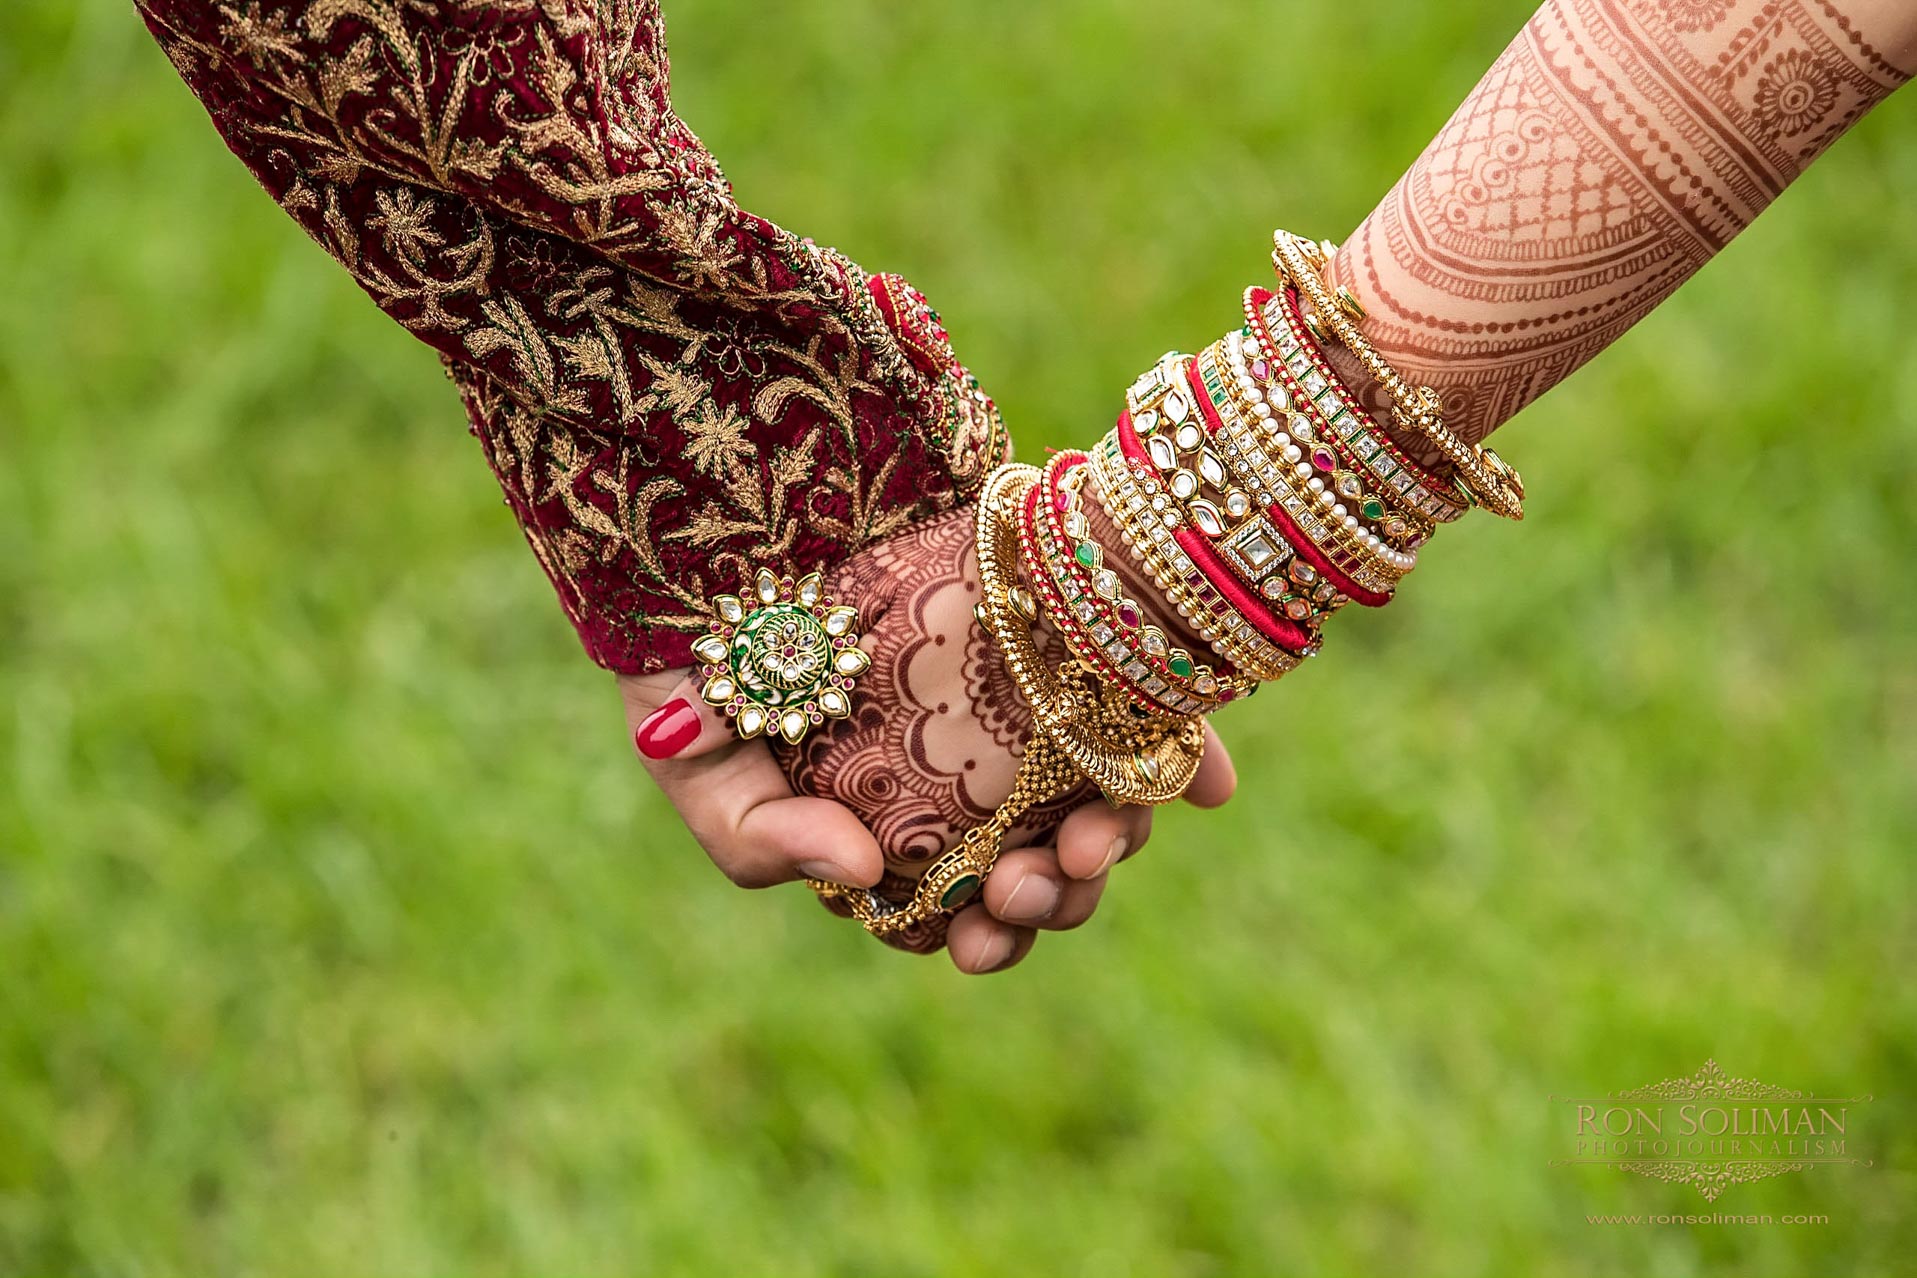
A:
{"x":671,"y":391}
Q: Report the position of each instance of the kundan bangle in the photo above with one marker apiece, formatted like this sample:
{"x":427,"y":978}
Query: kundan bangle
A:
{"x":1139,"y":651}
{"x":1123,"y":492}
{"x":1135,"y":656}
{"x":1079,"y":621}
{"x":1278,"y":326}
{"x":1486,"y":477}
{"x":1312,"y":476}
{"x":1168,"y":416}
{"x":1391,"y":516}
{"x":1262,"y":403}
{"x":1313,"y":515}
{"x":1250,"y":546}
{"x":1130,"y":760}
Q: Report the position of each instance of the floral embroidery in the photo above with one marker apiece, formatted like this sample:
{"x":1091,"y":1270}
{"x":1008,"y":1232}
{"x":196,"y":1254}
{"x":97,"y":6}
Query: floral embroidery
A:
{"x":716,"y":442}
{"x":265,"y":38}
{"x":667,"y":388}
{"x":735,"y":350}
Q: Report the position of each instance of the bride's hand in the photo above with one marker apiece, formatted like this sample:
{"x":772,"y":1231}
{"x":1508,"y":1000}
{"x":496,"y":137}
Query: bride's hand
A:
{"x":926,"y":755}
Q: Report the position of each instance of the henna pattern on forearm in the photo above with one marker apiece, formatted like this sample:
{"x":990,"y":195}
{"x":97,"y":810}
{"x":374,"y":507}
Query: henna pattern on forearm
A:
{"x":1610,"y":151}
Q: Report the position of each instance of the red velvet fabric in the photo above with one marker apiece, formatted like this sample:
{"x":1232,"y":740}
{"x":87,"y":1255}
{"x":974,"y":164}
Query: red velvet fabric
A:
{"x":671,"y":391}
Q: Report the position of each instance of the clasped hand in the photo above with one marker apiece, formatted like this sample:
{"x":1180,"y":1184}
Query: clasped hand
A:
{"x":927,"y":754}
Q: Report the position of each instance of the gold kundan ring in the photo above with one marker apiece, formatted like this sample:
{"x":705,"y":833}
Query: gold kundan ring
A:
{"x":782,"y":660}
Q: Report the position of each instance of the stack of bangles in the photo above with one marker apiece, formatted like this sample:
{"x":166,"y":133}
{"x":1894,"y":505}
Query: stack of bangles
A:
{"x":1249,"y":486}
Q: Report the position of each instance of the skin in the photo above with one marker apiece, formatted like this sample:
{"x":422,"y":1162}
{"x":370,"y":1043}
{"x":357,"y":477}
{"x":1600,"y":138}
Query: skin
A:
{"x":1610,"y":151}
{"x":1613,"y":149}
{"x":940,"y":743}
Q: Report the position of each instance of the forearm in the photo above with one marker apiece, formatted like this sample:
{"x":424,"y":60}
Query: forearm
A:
{"x":1611,"y":150}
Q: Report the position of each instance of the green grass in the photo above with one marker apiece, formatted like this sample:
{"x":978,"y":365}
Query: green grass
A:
{"x":341,"y":934}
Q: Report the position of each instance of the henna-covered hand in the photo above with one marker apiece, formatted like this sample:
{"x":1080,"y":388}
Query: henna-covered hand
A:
{"x":930,"y":751}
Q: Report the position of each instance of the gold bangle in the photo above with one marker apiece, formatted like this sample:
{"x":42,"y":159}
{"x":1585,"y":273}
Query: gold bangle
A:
{"x":1295,"y":358}
{"x":1227,"y":372}
{"x":1129,"y":759}
{"x":1241,"y":644}
{"x":1484,"y":476}
{"x":1080,"y":729}
{"x":1322,"y":520}
{"x":1132,"y":650}
{"x":1263,"y":433}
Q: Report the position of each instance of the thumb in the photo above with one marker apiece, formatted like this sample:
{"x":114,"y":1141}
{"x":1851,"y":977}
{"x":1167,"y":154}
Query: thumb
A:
{"x":669,"y":719}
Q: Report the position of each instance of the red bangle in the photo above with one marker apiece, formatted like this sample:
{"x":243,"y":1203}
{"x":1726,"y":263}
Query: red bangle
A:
{"x":1196,"y":681}
{"x":1076,"y":637}
{"x":1280,"y":630}
{"x":1304,"y":547}
{"x":1181,"y":693}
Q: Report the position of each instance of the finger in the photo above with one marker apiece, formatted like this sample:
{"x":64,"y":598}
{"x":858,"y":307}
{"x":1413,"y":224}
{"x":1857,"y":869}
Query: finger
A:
{"x":979,"y":943}
{"x":800,"y":838}
{"x":1216,"y":778}
{"x":739,"y":806}
{"x":1026,"y":888}
{"x":675,"y":723}
{"x":1081,"y":901}
{"x":1096,"y":836}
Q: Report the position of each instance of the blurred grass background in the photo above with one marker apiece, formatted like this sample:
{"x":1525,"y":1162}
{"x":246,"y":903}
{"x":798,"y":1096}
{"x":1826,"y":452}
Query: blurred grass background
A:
{"x":341,"y":934}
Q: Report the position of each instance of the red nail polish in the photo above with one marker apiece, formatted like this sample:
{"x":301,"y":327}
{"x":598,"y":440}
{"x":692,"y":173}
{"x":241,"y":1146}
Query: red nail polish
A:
{"x":667,"y":730}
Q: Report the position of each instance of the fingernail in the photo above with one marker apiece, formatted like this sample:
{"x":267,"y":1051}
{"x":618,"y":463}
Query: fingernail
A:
{"x":993,"y":954}
{"x":1119,"y":847}
{"x":1032,"y":901}
{"x":831,"y":872}
{"x":667,"y":730}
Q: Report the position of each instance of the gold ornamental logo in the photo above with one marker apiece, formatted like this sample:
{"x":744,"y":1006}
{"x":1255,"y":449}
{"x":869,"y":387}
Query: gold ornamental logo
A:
{"x":1710,"y":1130}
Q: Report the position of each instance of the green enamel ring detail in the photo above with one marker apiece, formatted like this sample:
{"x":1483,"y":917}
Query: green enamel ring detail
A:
{"x":782,"y":660}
